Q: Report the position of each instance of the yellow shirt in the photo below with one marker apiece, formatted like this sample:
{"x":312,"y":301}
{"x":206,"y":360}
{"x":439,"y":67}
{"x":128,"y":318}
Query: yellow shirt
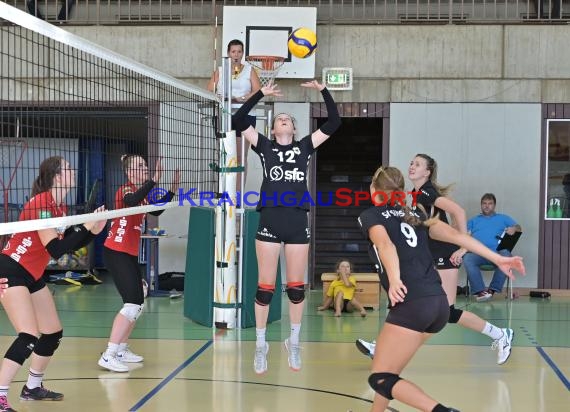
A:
{"x":338,"y":285}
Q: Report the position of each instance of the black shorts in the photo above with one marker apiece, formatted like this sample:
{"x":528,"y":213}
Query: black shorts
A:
{"x":444,"y":263}
{"x":17,"y":275}
{"x":289,"y":225}
{"x":126,"y":274}
{"x":426,"y":314}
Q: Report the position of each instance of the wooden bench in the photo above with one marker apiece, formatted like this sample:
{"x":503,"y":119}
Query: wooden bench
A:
{"x":367,"y":288}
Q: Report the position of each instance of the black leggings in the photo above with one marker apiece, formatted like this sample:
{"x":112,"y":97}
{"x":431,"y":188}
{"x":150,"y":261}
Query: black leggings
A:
{"x":126,"y":274}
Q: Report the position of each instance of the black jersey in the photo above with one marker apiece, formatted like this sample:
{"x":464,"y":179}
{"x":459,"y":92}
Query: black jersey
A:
{"x":427,"y":197}
{"x":284,"y":172}
{"x":416,"y":263}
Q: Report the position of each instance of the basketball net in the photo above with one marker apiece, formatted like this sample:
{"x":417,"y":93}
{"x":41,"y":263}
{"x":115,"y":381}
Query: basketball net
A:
{"x":266,"y":67}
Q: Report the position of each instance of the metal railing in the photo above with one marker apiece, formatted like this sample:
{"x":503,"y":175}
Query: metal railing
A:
{"x":328,"y":11}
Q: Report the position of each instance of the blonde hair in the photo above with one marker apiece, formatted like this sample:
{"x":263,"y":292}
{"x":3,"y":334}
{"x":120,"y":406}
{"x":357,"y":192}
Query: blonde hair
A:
{"x":390,"y":179}
{"x":432,"y":168}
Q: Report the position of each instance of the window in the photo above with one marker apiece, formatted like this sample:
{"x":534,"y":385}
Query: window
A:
{"x":557,"y":202}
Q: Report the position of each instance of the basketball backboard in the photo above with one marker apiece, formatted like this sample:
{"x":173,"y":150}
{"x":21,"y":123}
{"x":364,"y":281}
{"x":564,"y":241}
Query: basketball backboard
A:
{"x":265,"y":30}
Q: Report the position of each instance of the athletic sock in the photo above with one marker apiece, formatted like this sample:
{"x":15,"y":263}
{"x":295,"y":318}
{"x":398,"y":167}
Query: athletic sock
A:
{"x":122,"y":347}
{"x":4,"y":390}
{"x":492,"y":331}
{"x":34,"y":379}
{"x":295,"y":329}
{"x":112,"y":349}
{"x":260,"y":337}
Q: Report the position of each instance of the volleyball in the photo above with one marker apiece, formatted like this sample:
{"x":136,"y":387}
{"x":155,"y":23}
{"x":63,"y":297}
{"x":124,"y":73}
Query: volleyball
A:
{"x":302,"y":42}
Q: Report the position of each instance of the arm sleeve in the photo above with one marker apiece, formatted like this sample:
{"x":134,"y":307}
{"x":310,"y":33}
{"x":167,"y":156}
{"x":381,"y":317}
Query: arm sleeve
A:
{"x":509,"y":221}
{"x":78,"y":237}
{"x":239,"y":117}
{"x":367,"y":219}
{"x":134,"y":199}
{"x":164,"y":199}
{"x":333,"y":120}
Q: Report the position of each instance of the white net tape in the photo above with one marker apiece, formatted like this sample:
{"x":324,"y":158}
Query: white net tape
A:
{"x":66,"y":221}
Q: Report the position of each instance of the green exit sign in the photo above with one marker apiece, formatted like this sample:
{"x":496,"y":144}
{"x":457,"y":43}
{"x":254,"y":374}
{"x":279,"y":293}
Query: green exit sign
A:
{"x":338,"y":78}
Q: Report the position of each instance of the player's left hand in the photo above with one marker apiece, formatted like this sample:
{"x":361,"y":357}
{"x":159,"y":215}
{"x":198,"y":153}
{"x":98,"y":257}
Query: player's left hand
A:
{"x":313,"y":84}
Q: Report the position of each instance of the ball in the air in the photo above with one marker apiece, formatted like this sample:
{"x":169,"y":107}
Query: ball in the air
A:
{"x":302,"y":42}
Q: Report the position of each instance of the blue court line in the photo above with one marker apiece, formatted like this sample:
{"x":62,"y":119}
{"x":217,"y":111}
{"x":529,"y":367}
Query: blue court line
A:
{"x":551,"y":363}
{"x":176,"y":371}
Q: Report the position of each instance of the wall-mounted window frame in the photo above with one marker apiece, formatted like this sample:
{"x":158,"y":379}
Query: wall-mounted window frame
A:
{"x":557,"y":175}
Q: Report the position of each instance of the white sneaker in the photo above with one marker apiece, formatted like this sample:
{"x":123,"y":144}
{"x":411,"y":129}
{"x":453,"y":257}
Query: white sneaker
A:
{"x":127,"y":356}
{"x":260,"y":359}
{"x":503,"y":346}
{"x":112,"y":363}
{"x":294,"y":355}
{"x":366,"y":348}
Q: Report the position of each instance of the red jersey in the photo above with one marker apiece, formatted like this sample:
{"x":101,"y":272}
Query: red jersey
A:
{"x":125,"y":232}
{"x":26,"y":248}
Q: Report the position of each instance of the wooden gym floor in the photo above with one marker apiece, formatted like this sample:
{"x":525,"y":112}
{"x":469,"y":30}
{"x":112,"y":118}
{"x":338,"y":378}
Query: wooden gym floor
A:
{"x":193,"y":368}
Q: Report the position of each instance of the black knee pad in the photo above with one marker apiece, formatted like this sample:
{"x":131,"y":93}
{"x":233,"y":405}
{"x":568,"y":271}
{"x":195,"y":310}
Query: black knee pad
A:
{"x":21,"y":348}
{"x":296,"y":293}
{"x":48,"y":343}
{"x":383,"y":382}
{"x":264,"y":295}
{"x":454,"y":314}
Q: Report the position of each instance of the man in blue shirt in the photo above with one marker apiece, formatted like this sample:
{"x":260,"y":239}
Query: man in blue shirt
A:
{"x":487,"y":228}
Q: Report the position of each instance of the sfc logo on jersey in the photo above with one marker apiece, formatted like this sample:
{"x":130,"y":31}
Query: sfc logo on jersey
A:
{"x":276,"y":174}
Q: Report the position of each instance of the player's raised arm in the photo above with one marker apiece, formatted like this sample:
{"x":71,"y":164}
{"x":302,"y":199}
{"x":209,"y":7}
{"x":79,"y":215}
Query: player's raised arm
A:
{"x":239,"y":118}
{"x":333,"y":121}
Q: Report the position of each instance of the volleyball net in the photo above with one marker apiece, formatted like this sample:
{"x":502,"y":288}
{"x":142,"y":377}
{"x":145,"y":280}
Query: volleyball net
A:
{"x":61,"y":95}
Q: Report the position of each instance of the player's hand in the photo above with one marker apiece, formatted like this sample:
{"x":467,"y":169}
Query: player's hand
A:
{"x":457,"y":257}
{"x":99,"y":225}
{"x":271,"y":90}
{"x":175,"y":181}
{"x":313,"y":84}
{"x":508,"y":263}
{"x":157,"y":170}
{"x":3,"y":286}
{"x":397,"y":292}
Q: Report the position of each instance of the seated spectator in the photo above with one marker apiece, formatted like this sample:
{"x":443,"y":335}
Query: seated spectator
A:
{"x":487,"y":228}
{"x":341,"y":291}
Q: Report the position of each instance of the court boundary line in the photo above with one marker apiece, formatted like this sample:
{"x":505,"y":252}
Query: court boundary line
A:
{"x":553,"y":366}
{"x":170,"y":377}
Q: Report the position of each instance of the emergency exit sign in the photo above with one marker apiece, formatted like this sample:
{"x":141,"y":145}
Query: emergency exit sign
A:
{"x":338,"y":78}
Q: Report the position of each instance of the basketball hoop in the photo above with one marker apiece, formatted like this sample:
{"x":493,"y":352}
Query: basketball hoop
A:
{"x":266,"y":67}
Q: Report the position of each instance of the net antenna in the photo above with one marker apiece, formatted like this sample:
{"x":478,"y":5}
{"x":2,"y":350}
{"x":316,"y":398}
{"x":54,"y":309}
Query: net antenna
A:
{"x":266,"y":67}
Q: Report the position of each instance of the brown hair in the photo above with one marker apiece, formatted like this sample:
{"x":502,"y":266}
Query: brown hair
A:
{"x":390,"y":179}
{"x":48,"y":169}
{"x":235,"y":42}
{"x":432,"y":167}
{"x":489,"y":196}
{"x":126,"y":161}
